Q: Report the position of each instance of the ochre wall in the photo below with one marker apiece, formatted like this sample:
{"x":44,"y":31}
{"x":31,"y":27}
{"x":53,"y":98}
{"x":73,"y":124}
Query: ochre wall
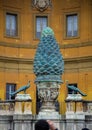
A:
{"x":17,"y":54}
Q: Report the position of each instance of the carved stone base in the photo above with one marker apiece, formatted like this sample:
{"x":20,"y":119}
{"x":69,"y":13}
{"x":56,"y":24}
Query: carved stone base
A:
{"x":48,"y":114}
{"x":48,"y":105}
{"x":47,"y":94}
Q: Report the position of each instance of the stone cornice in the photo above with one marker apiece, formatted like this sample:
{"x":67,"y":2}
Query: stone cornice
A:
{"x":16,"y":60}
{"x":30,"y":61}
{"x":16,"y":45}
{"x":71,"y":45}
{"x":34,"y":46}
{"x":78,"y":59}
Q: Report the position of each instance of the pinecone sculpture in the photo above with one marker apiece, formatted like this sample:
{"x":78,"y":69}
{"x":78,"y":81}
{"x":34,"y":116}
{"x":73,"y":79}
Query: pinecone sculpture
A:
{"x":48,"y":61}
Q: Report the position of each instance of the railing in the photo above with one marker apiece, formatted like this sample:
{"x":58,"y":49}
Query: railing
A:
{"x":7,"y":107}
{"x":87,"y":105}
{"x":79,"y":105}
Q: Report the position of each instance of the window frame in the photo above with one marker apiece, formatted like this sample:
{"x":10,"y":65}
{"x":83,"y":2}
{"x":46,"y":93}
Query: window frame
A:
{"x":65,"y":25}
{"x":40,"y":15}
{"x":7,"y":93}
{"x":17,"y":23}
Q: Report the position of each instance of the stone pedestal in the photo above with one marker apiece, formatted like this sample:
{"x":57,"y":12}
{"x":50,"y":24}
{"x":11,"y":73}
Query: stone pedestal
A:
{"x":47,"y":94}
{"x":74,"y":124}
{"x":27,"y":108}
{"x":70,"y":109}
{"x":20,"y":98}
{"x":74,"y":109}
{"x":80,"y":115}
{"x":18,"y":108}
{"x":79,"y":107}
{"x":74,"y":97}
{"x":48,"y":114}
{"x":47,"y":111}
{"x":70,"y":106}
{"x":70,"y":115}
{"x":79,"y":111}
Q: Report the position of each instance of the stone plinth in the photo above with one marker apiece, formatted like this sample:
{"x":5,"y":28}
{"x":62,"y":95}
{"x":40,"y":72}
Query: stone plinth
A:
{"x":18,"y":108}
{"x":27,"y":108}
{"x":74,"y":107}
{"x":70,"y":106}
{"x":74,"y":97}
{"x":20,"y":98}
{"x":48,"y":114}
{"x":22,"y":122}
{"x":79,"y":111}
{"x":70,"y":115}
{"x":80,"y":115}
{"x":79,"y":107}
{"x":47,"y":94}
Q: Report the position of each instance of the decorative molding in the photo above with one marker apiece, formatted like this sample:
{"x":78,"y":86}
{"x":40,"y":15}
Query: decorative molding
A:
{"x":78,"y":59}
{"x":16,"y":45}
{"x":34,"y":46}
{"x":16,"y":60}
{"x":78,"y":64}
{"x":30,"y":61}
{"x":77,"y":70}
{"x":41,"y":5}
{"x":71,"y":45}
{"x":71,"y":64}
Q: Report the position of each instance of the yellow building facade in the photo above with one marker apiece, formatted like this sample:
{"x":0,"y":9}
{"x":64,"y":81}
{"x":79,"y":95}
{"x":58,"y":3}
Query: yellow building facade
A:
{"x":17,"y":48}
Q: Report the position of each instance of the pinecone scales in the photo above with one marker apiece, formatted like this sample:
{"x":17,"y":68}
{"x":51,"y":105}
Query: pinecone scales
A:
{"x":48,"y":61}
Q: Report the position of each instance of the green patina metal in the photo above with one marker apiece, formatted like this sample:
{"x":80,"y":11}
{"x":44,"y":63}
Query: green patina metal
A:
{"x":48,"y":61}
{"x":46,"y":32}
{"x":23,"y":88}
{"x":72,"y":87}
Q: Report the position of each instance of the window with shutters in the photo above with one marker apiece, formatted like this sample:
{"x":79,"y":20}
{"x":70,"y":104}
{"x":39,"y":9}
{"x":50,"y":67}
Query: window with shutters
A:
{"x":11,"y":29}
{"x":41,"y":23}
{"x":10,"y":87}
{"x":71,"y":25}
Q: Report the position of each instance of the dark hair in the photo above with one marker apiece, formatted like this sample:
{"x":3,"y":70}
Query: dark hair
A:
{"x":85,"y":129}
{"x":41,"y":125}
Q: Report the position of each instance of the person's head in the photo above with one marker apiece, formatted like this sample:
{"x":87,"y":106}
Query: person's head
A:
{"x":41,"y":125}
{"x":85,"y":129}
